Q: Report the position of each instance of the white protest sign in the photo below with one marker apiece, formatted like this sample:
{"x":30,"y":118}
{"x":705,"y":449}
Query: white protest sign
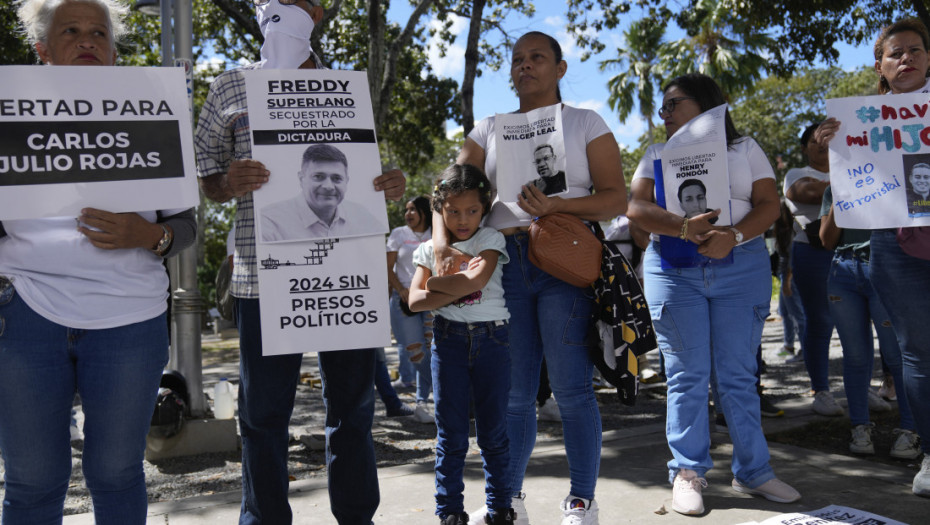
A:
{"x":880,"y":161}
{"x":113,"y":138}
{"x":695,"y":172}
{"x":319,"y":220}
{"x":314,"y":130}
{"x":831,"y":515}
{"x":530,"y":150}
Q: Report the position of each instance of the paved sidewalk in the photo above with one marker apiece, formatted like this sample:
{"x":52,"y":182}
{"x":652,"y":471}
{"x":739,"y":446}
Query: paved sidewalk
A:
{"x":631,"y":487}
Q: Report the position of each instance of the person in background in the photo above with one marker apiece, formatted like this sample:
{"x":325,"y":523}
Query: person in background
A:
{"x":810,"y":265}
{"x":901,"y":280}
{"x":789,"y":302}
{"x":83,"y":305}
{"x":268,"y":385}
{"x":412,"y":330}
{"x":709,"y":320}
{"x":855,"y":307}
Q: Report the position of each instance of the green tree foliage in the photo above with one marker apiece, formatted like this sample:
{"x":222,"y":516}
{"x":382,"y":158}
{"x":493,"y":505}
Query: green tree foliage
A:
{"x":639,"y":79}
{"x":718,"y":44}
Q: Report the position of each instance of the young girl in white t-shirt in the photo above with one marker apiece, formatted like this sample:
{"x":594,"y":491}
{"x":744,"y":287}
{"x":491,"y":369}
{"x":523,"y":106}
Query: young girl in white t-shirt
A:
{"x":471,"y":353}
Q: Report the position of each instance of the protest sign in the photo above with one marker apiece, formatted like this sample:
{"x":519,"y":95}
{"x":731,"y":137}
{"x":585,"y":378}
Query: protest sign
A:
{"x":530,"y":150}
{"x":113,"y":138}
{"x":692,"y":177}
{"x":831,"y":515}
{"x":880,"y":161}
{"x":319,"y":220}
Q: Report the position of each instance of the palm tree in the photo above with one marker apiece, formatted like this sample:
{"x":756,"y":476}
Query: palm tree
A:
{"x":719,"y":45}
{"x":639,"y":79}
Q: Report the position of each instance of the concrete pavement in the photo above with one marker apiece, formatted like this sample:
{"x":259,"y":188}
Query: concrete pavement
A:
{"x":632,"y":487}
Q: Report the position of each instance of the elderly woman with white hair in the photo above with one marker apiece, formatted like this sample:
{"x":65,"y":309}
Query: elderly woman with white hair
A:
{"x":82,"y":311}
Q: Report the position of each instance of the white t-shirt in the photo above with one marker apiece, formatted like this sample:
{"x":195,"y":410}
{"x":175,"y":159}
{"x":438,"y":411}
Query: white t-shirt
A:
{"x":746,"y":163}
{"x":804,"y":214}
{"x":486,"y":304}
{"x":404,"y":241}
{"x":580,"y":127}
{"x":64,"y":278}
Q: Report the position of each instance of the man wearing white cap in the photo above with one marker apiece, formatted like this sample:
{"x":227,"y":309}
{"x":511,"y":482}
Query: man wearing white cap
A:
{"x":269,"y":384}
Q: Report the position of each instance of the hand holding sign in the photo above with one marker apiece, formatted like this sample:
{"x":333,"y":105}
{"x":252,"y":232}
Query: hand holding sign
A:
{"x":246,"y":175}
{"x":113,"y":231}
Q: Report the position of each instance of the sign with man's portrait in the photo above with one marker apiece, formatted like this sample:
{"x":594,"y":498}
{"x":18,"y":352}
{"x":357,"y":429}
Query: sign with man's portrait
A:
{"x":880,"y":161}
{"x":320,"y":224}
{"x":530,"y":150}
{"x":113,"y":138}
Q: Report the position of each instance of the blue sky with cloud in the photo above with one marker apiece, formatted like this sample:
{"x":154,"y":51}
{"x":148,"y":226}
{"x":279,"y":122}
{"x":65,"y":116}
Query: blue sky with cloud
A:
{"x":584,"y":85}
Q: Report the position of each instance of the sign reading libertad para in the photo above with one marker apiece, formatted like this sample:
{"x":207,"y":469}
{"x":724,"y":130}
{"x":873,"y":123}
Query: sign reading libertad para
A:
{"x":320,"y":224}
{"x":880,"y":161}
{"x":113,"y":138}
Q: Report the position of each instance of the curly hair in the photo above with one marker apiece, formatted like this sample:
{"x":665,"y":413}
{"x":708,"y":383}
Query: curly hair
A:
{"x":459,"y":178}
{"x":36,"y":16}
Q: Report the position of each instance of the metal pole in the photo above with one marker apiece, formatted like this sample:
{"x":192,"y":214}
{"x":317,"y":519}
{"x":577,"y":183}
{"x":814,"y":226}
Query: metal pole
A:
{"x":187,"y":302}
{"x":167,"y":54}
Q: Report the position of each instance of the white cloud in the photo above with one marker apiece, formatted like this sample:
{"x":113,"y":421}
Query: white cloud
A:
{"x":592,"y":104}
{"x":554,"y":21}
{"x":628,"y":133}
{"x":453,"y":63}
{"x":452,"y":132}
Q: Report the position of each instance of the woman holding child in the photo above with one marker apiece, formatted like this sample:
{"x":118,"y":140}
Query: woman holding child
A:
{"x":548,"y":317}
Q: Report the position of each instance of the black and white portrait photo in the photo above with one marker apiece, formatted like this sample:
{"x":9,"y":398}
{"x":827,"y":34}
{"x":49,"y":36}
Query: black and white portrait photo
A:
{"x":551,"y":180}
{"x":320,"y":209}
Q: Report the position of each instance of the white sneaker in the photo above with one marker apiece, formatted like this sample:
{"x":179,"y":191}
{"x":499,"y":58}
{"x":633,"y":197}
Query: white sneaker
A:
{"x":76,"y":434}
{"x":825,"y":405}
{"x":549,"y":411}
{"x":907,"y":446}
{"x":421,"y":414}
{"x":686,"y":493}
{"x":578,"y":511}
{"x":877,"y":404}
{"x":516,"y":503}
{"x":773,"y":490}
{"x":861,"y":442}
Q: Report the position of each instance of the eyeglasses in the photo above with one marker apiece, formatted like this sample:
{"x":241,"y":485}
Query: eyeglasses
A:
{"x":669,"y":105}
{"x":314,"y":3}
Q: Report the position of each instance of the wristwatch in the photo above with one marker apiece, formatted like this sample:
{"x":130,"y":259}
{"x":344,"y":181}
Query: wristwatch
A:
{"x":738,"y":234}
{"x":164,"y":243}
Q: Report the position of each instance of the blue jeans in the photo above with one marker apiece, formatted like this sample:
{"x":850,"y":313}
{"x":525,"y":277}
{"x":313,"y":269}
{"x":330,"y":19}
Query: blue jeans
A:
{"x":411,"y":331}
{"x":903,"y":285}
{"x":791,"y":312}
{"x":708,"y":324}
{"x":550,"y":317}
{"x":266,"y":400}
{"x":810,"y":268}
{"x":471,"y":359}
{"x":383,"y":383}
{"x":42,"y":365}
{"x":855,"y":306}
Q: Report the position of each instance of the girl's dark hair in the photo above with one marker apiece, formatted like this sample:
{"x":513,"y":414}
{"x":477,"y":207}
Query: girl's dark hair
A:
{"x":459,"y":178}
{"x":556,"y":50}
{"x":907,"y":24}
{"x":708,"y":95}
{"x":421,"y":204}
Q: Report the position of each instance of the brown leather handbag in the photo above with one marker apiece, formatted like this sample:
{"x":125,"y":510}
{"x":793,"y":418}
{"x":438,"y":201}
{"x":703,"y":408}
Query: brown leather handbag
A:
{"x":563,"y":246}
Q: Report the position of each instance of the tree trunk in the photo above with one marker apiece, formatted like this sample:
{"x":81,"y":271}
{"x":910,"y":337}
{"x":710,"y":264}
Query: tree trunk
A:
{"x":471,"y":66}
{"x":376,"y":30}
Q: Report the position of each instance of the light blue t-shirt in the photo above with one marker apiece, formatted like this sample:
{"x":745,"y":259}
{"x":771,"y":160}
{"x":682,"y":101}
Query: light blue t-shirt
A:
{"x":486,"y":304}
